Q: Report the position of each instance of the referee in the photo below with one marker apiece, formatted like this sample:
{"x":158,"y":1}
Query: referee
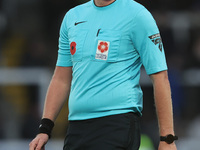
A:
{"x":102,"y":46}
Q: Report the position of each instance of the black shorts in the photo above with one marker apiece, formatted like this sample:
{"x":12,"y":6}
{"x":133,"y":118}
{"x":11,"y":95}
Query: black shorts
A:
{"x":115,"y":132}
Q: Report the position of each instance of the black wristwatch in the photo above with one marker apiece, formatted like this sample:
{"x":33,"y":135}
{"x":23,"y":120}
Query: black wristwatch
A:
{"x":169,"y":138}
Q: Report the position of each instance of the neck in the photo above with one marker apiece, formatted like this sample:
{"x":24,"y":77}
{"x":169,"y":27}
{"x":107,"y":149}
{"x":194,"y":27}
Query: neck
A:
{"x":101,"y":3}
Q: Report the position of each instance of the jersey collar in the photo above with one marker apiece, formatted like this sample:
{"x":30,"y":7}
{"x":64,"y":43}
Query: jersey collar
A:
{"x":104,"y":7}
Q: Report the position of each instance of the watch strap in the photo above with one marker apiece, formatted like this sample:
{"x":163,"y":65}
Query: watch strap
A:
{"x":169,"y":138}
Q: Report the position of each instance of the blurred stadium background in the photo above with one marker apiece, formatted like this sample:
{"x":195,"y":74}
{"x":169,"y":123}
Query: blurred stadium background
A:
{"x":29,"y":31}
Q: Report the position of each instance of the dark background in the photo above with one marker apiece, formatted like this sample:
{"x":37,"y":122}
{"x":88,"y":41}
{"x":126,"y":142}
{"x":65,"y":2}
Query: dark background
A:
{"x":29,"y":31}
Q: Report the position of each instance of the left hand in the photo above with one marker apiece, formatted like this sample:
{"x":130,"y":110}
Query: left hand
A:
{"x":165,"y":146}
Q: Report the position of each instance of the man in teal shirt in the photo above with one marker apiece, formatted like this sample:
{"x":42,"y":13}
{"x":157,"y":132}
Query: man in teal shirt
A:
{"x":102,"y":46}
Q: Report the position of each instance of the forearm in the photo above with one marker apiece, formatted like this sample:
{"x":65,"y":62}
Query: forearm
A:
{"x":57,"y":94}
{"x":55,"y":98}
{"x":163,"y":103}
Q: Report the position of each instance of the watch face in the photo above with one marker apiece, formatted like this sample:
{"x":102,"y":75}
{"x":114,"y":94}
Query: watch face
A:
{"x":170,"y":139}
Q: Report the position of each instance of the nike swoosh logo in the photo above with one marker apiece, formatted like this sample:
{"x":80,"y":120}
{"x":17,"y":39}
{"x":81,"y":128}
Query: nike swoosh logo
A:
{"x":76,"y":23}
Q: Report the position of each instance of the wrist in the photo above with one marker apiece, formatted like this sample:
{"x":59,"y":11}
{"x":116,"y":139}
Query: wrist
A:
{"x":169,"y":139}
{"x":46,"y":126}
{"x":166,"y":131}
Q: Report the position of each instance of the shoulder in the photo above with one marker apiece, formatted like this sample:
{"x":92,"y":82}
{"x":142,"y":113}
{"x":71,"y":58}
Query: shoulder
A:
{"x":80,"y":7}
{"x":134,"y":6}
{"x":77,"y":10}
{"x":138,"y":11}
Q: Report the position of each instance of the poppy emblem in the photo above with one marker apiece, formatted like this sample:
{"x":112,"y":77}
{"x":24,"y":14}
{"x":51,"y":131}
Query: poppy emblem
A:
{"x":103,"y":47}
{"x":73,"y":48}
{"x":102,"y":50}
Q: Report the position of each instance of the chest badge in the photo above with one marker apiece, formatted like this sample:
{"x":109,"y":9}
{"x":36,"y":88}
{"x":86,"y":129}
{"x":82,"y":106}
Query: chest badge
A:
{"x":73,"y":48}
{"x":102,"y":50}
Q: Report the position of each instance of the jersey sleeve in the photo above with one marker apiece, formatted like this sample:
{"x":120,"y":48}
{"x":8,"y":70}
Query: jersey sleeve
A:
{"x":64,"y":55}
{"x":147,"y":41}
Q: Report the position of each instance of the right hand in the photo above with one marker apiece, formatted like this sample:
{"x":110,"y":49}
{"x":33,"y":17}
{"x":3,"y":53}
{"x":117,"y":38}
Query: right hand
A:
{"x":38,"y":143}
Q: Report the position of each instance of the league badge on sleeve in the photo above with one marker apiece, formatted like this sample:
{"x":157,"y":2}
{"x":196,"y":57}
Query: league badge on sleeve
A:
{"x":156,"y":39}
{"x":102,"y":50}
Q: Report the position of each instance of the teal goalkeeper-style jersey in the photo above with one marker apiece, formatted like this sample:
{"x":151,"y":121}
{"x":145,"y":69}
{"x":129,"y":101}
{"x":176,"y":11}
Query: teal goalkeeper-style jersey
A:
{"x":106,"y":47}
